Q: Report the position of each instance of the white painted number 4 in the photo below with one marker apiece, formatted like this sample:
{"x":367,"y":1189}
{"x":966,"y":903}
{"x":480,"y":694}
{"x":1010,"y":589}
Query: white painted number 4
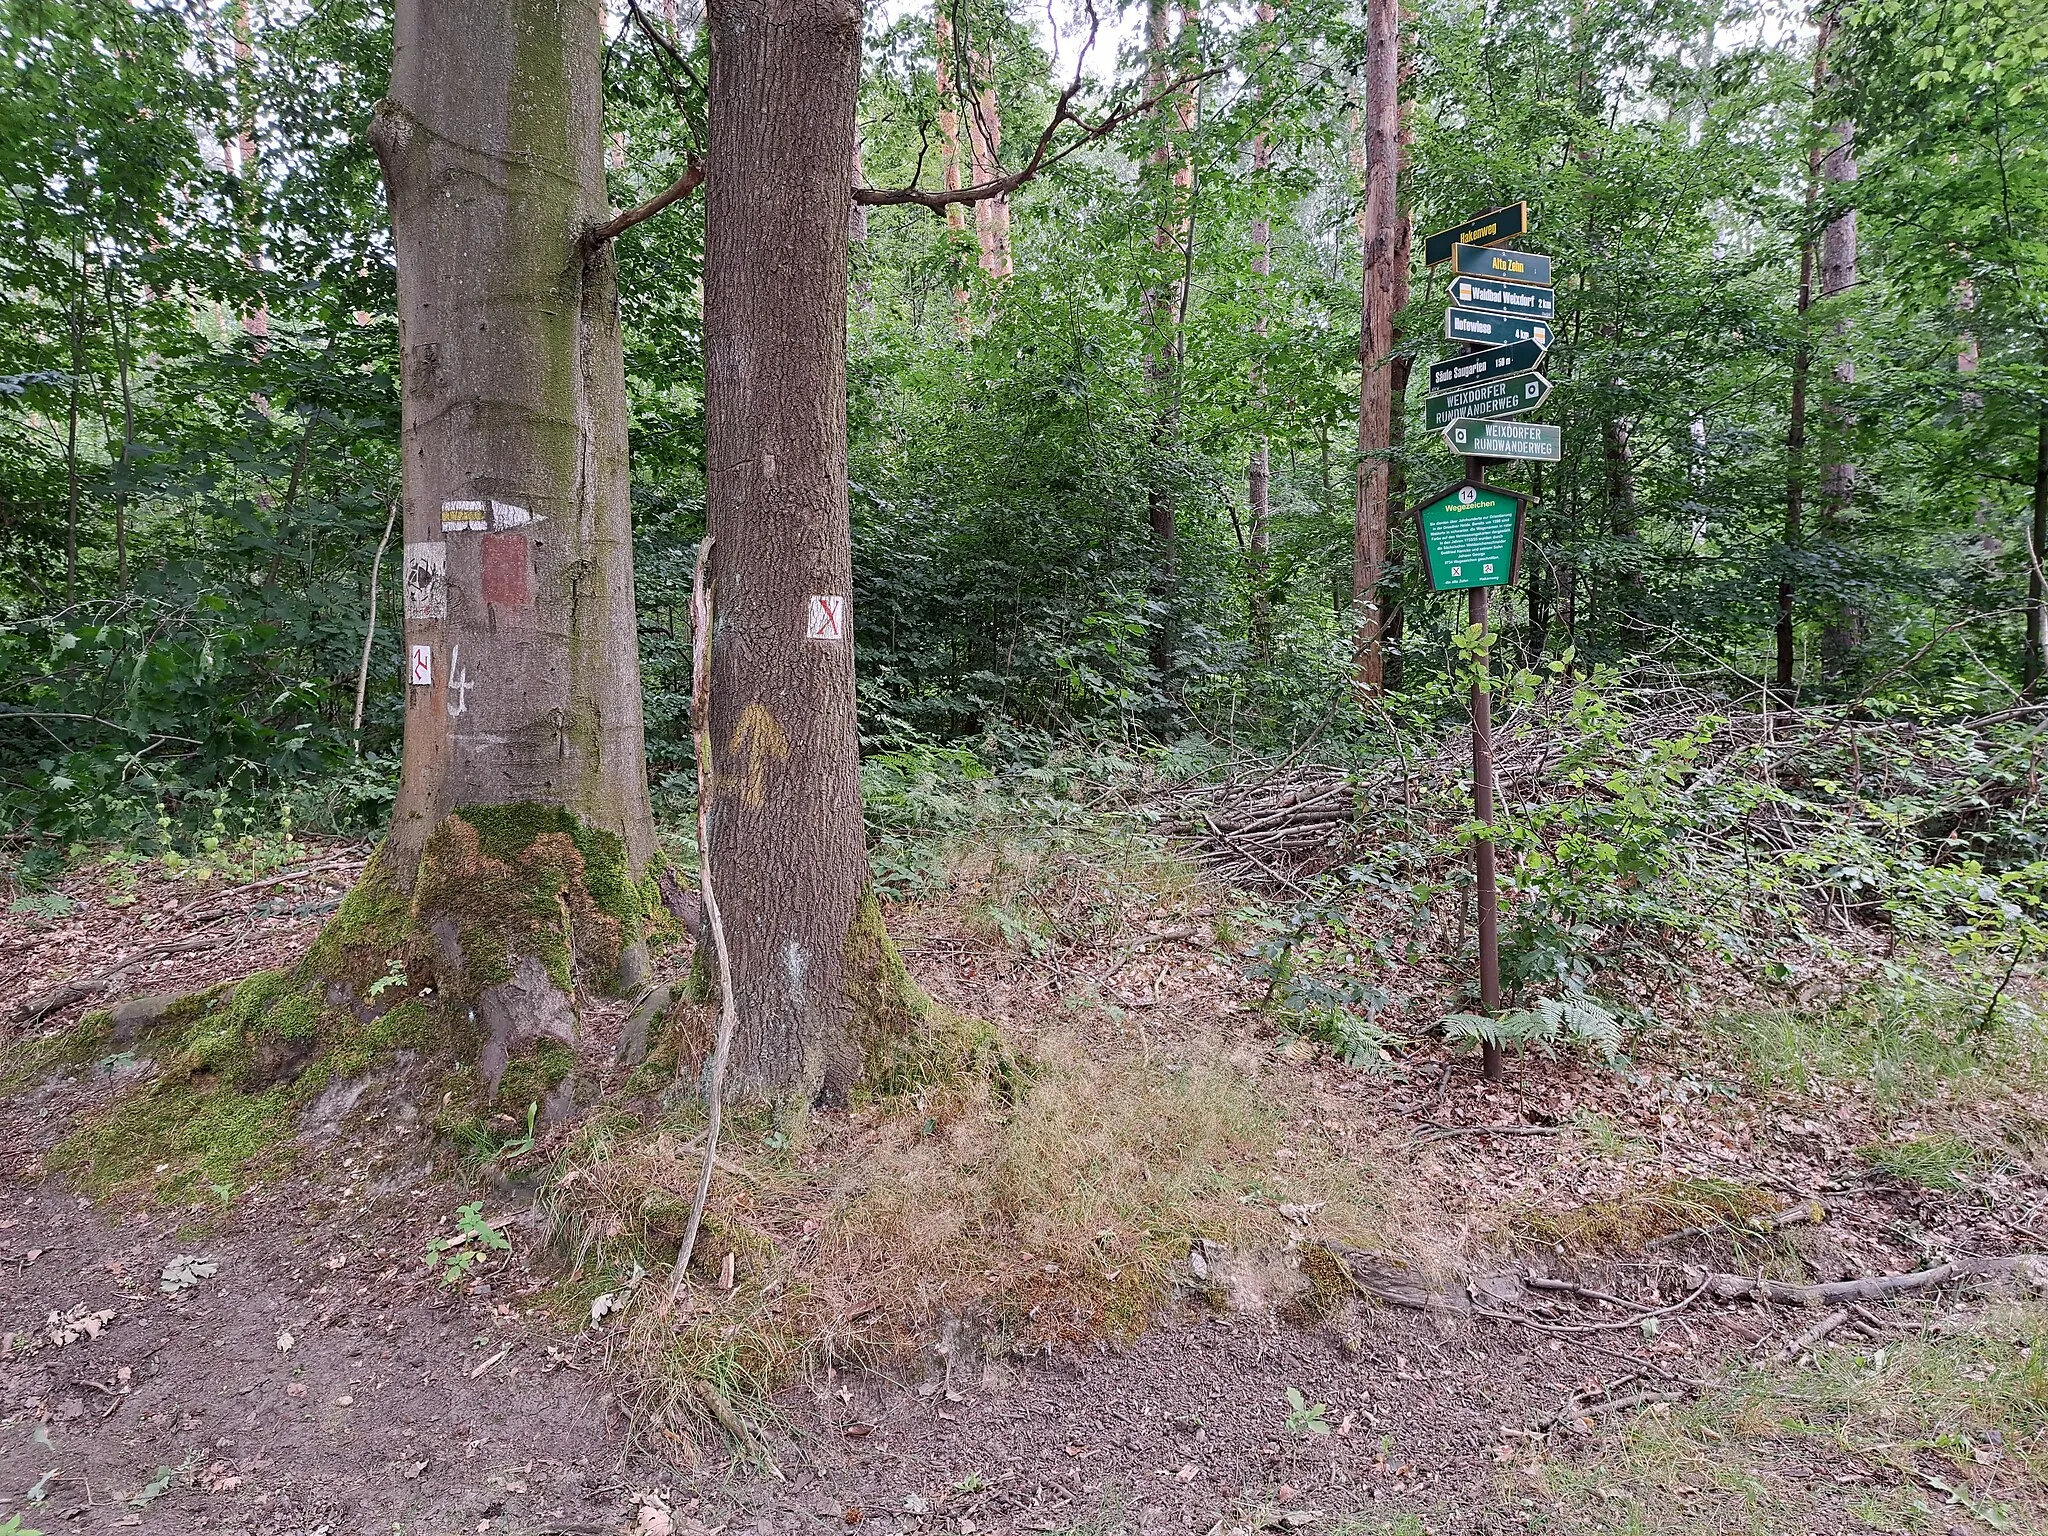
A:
{"x":828,"y":619}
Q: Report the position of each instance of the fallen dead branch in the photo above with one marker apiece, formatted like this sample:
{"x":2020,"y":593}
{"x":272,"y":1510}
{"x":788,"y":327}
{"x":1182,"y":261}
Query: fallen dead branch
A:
{"x":1431,"y":1131}
{"x":80,"y":988}
{"x":1574,"y":1414}
{"x":1815,"y":1334}
{"x":2031,"y":1267}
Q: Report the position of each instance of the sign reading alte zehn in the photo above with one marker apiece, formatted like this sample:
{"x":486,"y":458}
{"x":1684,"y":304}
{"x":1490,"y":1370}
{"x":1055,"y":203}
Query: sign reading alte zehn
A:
{"x":1471,"y":535}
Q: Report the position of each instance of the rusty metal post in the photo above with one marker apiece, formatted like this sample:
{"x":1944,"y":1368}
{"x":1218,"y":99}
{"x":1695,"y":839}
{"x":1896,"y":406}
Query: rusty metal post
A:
{"x":1482,"y":809}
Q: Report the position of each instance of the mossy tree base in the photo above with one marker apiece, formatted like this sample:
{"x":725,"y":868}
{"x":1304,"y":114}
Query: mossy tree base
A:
{"x":513,"y":914}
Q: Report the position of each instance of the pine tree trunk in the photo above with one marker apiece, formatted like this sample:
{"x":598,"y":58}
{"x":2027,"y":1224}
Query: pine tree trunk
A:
{"x":1384,"y":272}
{"x":985,"y":143}
{"x":949,"y":168}
{"x":524,"y":786}
{"x":809,"y":961}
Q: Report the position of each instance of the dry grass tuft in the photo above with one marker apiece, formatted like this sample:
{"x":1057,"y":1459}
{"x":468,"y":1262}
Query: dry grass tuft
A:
{"x":1625,"y":1223}
{"x":1063,"y":1217}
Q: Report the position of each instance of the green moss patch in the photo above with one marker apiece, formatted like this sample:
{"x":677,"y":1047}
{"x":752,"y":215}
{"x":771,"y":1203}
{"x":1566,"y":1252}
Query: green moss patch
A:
{"x":908,"y":1042}
{"x":179,"y":1142}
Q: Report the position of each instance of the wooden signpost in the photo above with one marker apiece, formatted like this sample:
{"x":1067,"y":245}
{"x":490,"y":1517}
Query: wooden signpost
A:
{"x":1471,"y":533}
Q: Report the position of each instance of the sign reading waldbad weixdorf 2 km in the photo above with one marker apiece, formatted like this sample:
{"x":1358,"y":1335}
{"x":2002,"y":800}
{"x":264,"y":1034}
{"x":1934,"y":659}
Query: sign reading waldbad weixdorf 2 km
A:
{"x":1496,"y":397}
{"x":1505,"y":440}
{"x":1470,"y":537}
{"x":1533,"y":301}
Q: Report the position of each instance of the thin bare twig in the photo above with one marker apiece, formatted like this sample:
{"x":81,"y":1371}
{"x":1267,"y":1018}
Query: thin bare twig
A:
{"x":728,"y":1010}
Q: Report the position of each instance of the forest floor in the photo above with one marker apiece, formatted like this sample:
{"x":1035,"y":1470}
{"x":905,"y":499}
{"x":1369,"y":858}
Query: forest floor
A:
{"x":1527,"y":1349}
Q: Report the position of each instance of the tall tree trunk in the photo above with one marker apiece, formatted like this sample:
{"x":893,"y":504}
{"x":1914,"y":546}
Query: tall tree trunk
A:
{"x":985,"y":143}
{"x":949,"y":167}
{"x":1159,"y":306}
{"x":1842,"y":632}
{"x":2037,"y":551}
{"x":521,"y":835}
{"x":71,"y":478}
{"x":248,"y":190}
{"x":812,"y":970}
{"x":1385,"y":268}
{"x":1258,"y":474}
{"x":1795,"y":429}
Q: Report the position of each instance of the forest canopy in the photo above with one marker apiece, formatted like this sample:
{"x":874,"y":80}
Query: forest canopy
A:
{"x":198,"y":392}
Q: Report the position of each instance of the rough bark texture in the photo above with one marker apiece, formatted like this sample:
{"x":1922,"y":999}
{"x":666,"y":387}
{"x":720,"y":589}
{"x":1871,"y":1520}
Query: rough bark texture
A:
{"x":985,"y":140}
{"x":1385,"y":271}
{"x":949,"y":166}
{"x":2037,"y":551}
{"x":786,"y":829}
{"x":518,"y":541}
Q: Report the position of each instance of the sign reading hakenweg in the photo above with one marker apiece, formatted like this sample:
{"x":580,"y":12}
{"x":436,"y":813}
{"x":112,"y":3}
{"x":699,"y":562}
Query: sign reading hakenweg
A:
{"x":1487,"y":229}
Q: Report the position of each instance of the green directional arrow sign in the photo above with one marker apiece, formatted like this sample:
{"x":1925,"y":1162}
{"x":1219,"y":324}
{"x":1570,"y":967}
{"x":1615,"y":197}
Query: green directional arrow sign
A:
{"x":1496,"y":261}
{"x":1487,"y":229}
{"x":1486,"y":329}
{"x":1471,"y":536}
{"x":1487,"y":363}
{"x":1505,"y":440}
{"x":1529,"y":301}
{"x":1495,"y":397}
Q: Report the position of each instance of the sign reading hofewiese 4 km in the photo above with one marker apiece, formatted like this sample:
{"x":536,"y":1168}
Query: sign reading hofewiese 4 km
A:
{"x":1491,"y":363}
{"x":1505,"y":440}
{"x":1494,"y":261}
{"x":1496,"y":397}
{"x":1532,"y":300}
{"x":1487,"y":229}
{"x":1484,"y":328}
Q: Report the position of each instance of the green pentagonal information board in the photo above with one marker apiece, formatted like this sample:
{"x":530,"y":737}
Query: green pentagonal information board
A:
{"x":1471,"y":536}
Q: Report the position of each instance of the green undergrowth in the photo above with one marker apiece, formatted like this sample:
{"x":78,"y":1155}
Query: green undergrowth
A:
{"x":1897,"y":1041}
{"x":1934,"y":1432}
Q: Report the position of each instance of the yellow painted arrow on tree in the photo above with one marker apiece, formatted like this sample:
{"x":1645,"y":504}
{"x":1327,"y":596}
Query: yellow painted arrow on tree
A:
{"x":755,"y":740}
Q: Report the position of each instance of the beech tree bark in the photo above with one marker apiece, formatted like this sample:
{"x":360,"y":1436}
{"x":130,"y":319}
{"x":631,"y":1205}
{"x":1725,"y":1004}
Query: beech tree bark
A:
{"x":1160,"y":307}
{"x":524,"y":778}
{"x":810,"y":964}
{"x":1384,"y":276}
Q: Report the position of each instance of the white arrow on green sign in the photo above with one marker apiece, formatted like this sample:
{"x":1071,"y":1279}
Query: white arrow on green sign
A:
{"x":1498,"y":261}
{"x":1484,"y":328}
{"x":1471,"y":535}
{"x":1487,"y":363}
{"x":1531,"y":301}
{"x":1505,"y":440}
{"x":1495,"y":397}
